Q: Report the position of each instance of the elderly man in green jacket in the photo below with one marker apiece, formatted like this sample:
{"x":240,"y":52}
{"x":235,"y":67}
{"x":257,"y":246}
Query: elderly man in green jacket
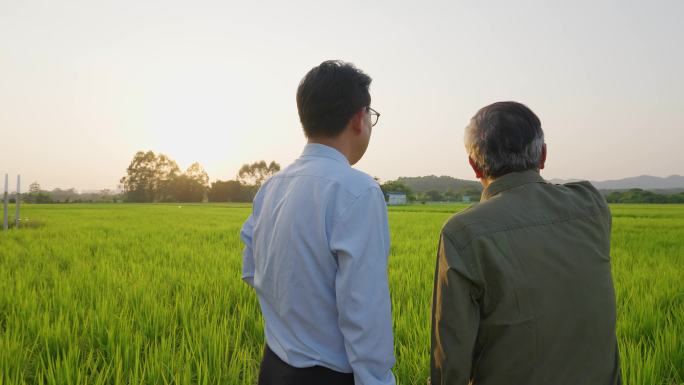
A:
{"x":523,"y":291}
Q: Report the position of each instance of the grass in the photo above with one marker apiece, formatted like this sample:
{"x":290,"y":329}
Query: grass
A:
{"x":151,"y":294}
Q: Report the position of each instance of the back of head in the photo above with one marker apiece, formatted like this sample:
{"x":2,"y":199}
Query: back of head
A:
{"x":504,"y":137}
{"x":329,"y":95}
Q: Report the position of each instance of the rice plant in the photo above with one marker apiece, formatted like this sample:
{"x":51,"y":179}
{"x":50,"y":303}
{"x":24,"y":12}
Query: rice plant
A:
{"x":151,"y":294}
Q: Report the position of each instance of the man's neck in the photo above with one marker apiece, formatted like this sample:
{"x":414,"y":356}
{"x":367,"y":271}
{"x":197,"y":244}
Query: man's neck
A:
{"x":335,"y":143}
{"x":486,"y":181}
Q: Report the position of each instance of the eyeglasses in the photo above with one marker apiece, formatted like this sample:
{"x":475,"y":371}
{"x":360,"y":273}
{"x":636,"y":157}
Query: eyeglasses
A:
{"x":375,"y":115}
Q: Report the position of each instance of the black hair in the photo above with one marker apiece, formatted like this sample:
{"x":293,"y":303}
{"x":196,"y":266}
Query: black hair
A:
{"x":329,"y":95}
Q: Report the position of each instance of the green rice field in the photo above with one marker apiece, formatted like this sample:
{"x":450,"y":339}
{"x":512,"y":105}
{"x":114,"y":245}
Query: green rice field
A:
{"x":151,"y":294}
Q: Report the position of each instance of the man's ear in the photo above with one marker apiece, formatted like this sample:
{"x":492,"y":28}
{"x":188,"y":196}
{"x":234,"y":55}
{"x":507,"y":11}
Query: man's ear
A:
{"x":543,"y":157}
{"x":357,"y":121}
{"x":478,"y":172}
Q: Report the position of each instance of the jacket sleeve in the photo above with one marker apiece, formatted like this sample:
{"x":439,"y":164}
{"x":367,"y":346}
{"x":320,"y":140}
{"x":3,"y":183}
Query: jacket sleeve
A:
{"x":247,"y":255}
{"x":455,"y":318}
{"x":360,"y":242}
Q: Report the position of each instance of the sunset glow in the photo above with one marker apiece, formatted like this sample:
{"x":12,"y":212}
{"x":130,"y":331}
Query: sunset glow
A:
{"x":85,"y":85}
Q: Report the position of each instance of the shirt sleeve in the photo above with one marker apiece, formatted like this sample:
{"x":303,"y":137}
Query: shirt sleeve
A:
{"x":247,"y":256}
{"x":360,"y":241}
{"x":455,"y":318}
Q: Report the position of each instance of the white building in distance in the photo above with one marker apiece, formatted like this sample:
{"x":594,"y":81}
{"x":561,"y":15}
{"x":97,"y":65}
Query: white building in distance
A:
{"x":396,"y":198}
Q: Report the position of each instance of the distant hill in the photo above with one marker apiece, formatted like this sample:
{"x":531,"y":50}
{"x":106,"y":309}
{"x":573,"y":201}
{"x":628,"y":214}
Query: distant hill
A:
{"x":669,"y":185}
{"x":661,"y":191}
{"x":644,"y":182}
{"x":439,"y":183}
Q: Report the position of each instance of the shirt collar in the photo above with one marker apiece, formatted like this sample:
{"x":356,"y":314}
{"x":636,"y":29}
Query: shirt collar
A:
{"x":321,"y":150}
{"x":511,"y":180}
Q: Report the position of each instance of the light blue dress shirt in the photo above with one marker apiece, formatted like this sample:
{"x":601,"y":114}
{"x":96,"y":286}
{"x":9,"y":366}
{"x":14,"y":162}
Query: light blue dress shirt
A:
{"x":316,"y":248}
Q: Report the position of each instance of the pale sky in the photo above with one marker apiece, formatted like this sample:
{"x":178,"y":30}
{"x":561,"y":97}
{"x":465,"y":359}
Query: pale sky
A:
{"x":85,"y":84}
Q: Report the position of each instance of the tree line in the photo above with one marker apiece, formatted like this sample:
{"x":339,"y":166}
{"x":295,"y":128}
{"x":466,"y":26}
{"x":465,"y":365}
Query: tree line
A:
{"x":637,"y":195}
{"x":36,"y":194}
{"x":154,"y":177}
{"x":468,"y":192}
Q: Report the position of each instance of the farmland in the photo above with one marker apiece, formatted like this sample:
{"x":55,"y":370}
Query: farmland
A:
{"x":145,"y":294}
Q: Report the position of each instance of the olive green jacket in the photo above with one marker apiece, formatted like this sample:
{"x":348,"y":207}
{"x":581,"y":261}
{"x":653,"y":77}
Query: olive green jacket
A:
{"x":523,"y":291}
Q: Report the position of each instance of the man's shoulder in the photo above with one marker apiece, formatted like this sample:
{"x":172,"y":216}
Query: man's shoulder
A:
{"x":474,"y":221}
{"x":583,"y":188}
{"x":349,"y":179}
{"x":357,"y":182}
{"x":538,"y":204}
{"x":583,"y":197}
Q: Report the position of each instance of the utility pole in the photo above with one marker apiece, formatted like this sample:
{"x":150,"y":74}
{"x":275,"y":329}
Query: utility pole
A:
{"x":4,"y":223}
{"x":17,"y":199}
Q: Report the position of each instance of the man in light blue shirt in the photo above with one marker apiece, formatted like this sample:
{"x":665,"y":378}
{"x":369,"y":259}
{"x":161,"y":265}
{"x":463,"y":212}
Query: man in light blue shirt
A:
{"x":317,"y":242}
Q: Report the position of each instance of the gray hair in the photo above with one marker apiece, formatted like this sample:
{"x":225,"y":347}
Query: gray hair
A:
{"x":504,"y":137}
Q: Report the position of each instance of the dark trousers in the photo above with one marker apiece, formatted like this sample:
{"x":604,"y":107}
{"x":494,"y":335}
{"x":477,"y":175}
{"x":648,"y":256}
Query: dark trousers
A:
{"x":275,"y":371}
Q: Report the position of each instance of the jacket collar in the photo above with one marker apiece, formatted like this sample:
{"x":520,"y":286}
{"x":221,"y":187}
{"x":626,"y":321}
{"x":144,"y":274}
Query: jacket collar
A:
{"x":511,"y":180}
{"x":321,"y":150}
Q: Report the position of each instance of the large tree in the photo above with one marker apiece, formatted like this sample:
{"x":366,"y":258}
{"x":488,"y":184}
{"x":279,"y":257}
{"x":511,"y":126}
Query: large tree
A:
{"x":227,"y":191}
{"x":36,"y":195}
{"x":166,"y":170}
{"x":196,"y":173}
{"x":157,"y":178}
{"x":256,"y":173}
{"x":191,"y":186}
{"x":141,"y":181}
{"x":34,"y":188}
